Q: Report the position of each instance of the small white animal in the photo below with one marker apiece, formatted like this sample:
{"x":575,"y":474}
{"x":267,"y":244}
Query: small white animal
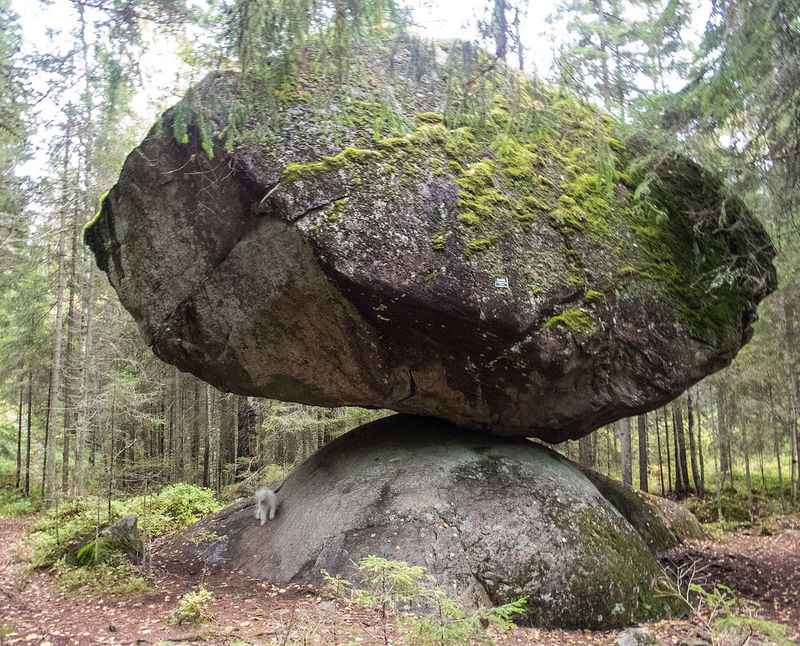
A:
{"x":266,"y":504}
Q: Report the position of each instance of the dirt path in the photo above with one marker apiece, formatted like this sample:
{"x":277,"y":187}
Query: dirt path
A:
{"x":761,"y":568}
{"x":34,"y":611}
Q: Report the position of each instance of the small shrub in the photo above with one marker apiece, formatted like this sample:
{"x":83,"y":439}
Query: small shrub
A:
{"x":741,"y":628}
{"x":65,"y":538}
{"x":192,"y":608}
{"x":449,"y":625}
{"x":390,"y":583}
{"x":335,"y":585}
{"x":705,"y":509}
{"x":63,"y":531}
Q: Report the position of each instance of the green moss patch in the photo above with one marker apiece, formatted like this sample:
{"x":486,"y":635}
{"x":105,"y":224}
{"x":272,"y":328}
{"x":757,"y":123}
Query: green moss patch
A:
{"x":343,"y":159}
{"x":578,"y":321}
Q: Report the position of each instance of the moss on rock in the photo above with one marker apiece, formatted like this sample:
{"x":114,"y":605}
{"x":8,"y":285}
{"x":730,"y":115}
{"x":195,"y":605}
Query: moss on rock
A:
{"x":578,"y":321}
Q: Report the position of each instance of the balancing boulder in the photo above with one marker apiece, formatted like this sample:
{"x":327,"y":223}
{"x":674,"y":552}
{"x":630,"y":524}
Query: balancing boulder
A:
{"x":439,"y":239}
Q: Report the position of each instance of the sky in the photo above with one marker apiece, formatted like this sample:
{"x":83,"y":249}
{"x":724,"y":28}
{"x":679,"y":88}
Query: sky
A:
{"x":164,"y":82}
{"x":442,"y":19}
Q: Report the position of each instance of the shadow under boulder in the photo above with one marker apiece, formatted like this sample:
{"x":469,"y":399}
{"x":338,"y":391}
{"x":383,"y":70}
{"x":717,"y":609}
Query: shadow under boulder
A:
{"x":493,"y":519}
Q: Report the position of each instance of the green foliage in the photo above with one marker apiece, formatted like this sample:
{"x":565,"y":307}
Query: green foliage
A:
{"x":192,"y":608}
{"x":269,"y":40}
{"x":725,"y":612}
{"x":741,"y":628}
{"x":59,"y":532}
{"x":63,"y":531}
{"x":449,"y":625}
{"x":115,"y":575}
{"x":13,"y":503}
{"x":101,"y":550}
{"x":389,"y":583}
{"x":343,"y":159}
{"x":439,"y":240}
{"x":734,"y":508}
{"x":335,"y":585}
{"x":396,"y":585}
{"x":174,"y":507}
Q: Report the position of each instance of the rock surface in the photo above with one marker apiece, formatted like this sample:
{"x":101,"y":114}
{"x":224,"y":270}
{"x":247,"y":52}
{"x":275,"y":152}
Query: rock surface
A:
{"x":125,"y":533}
{"x":662,"y":523}
{"x":494,"y":519}
{"x":483,"y":251}
{"x":636,"y":636}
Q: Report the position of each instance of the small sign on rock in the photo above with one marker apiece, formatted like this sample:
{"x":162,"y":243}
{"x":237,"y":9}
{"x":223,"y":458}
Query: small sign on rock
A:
{"x":501,"y":282}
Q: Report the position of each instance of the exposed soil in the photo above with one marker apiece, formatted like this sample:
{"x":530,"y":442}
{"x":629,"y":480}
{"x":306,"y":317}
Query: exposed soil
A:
{"x":33,"y":610}
{"x":765,"y":569}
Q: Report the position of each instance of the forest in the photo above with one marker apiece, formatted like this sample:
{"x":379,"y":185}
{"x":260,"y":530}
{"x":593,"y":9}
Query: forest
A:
{"x":93,"y":424}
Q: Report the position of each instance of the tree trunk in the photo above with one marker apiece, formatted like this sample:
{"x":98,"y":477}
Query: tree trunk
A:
{"x":28,"y":436}
{"x":55,"y":372}
{"x":605,"y":77}
{"x":717,"y":462}
{"x":722,"y":431}
{"x":19,"y":436}
{"x":789,"y":345}
{"x":698,"y":487}
{"x":793,"y":440}
{"x":207,"y":436}
{"x":641,"y":426}
{"x":700,"y":457}
{"x":660,"y":459}
{"x":585,"y":456}
{"x":667,"y":450}
{"x":111,"y":460}
{"x":500,"y":29}
{"x":84,"y":377}
{"x":746,"y":450}
{"x":679,"y":433}
{"x":69,"y":359}
{"x":624,"y":432}
{"x":46,"y":447}
{"x":776,"y":443}
{"x":195,"y":428}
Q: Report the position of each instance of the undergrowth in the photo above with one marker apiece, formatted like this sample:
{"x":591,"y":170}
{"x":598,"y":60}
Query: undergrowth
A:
{"x":13,"y":503}
{"x":396,"y":588}
{"x":61,"y":537}
{"x":727,"y":618}
{"x":192,"y":608}
{"x":732,"y":619}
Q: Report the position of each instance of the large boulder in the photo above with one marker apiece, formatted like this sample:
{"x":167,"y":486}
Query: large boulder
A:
{"x":442,"y":237}
{"x":493,"y":519}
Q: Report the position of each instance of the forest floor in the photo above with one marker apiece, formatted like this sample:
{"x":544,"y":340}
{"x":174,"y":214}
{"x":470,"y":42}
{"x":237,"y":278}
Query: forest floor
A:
{"x":33,"y":610}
